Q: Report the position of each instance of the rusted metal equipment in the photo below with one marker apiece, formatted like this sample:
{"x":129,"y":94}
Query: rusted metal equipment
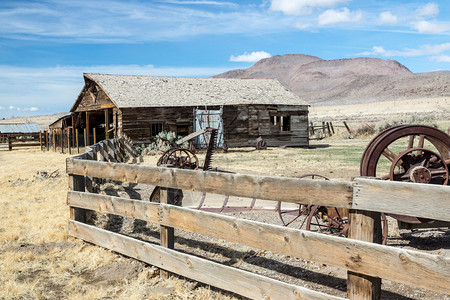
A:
{"x":409,"y":153}
{"x":261,"y":144}
{"x":313,"y":217}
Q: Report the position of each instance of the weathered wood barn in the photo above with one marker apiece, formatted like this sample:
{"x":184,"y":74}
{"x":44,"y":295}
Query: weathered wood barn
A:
{"x":142,"y":106}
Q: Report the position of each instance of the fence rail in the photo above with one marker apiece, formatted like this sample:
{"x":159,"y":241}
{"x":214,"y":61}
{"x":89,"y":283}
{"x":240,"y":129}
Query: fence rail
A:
{"x":360,"y":258}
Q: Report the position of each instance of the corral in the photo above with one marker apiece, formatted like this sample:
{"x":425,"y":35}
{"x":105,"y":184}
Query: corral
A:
{"x":361,"y":259}
{"x":39,"y":259}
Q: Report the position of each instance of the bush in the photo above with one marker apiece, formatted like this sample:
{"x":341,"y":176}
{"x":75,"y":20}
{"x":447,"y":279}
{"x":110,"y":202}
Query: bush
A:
{"x":414,"y":119}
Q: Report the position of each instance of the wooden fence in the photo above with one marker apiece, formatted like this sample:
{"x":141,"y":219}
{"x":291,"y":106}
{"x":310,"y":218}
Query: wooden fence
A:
{"x":10,"y":141}
{"x":365,"y":262}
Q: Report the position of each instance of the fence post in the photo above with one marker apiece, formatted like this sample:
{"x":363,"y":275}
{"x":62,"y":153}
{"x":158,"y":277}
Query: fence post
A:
{"x":47,"y":140}
{"x":365,"y":226}
{"x":348,"y":128}
{"x":329,"y":130}
{"x":54,"y":140}
{"x":167,"y":237}
{"x":76,"y":140}
{"x":9,"y":144}
{"x":68,"y":141}
{"x":312,"y":128}
{"x":40,"y":140}
{"x":85,"y":140}
{"x":62,"y":140}
{"x":332,"y":128}
{"x":77,"y":183}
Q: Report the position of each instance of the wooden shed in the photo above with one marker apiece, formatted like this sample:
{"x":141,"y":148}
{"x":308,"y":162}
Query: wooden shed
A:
{"x":142,"y":106}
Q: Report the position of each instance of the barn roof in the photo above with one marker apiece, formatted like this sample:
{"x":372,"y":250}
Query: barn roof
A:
{"x":148,"y":91}
{"x":19,"y":128}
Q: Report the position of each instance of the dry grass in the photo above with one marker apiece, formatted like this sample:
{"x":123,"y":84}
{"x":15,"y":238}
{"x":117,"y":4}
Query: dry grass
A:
{"x":38,"y":260}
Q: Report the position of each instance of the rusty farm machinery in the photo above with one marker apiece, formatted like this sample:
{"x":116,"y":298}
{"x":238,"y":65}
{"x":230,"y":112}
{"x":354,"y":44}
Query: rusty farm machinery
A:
{"x":407,"y":153}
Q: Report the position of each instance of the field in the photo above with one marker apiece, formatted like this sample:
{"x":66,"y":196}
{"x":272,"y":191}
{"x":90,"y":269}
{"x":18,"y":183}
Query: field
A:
{"x":38,"y":260}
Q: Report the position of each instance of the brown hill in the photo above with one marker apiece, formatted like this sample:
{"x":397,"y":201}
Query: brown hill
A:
{"x":346,"y":81}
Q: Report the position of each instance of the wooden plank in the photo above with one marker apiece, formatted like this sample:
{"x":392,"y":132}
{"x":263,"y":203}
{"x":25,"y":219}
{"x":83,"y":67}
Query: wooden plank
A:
{"x":401,"y":265}
{"x":106,"y":124}
{"x":402,"y":198}
{"x":76,"y":138}
{"x":306,"y":191}
{"x":238,"y":281}
{"x":77,"y":183}
{"x":364,"y":226}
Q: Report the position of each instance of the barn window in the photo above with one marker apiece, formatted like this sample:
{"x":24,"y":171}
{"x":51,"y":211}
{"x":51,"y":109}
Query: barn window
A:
{"x":283,"y":123}
{"x":156,"y":128}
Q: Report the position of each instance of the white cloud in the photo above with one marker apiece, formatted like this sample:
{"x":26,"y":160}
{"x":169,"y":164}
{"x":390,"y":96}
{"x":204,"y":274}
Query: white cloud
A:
{"x":31,"y":109}
{"x":55,"y":89}
{"x":116,"y":21}
{"x":344,"y":15}
{"x":302,"y":26}
{"x":428,"y":10}
{"x":302,"y":7}
{"x":423,"y":50}
{"x":388,"y":18}
{"x":250,"y":57}
{"x":218,"y":3}
{"x":433,"y":28}
{"x":441,"y":58}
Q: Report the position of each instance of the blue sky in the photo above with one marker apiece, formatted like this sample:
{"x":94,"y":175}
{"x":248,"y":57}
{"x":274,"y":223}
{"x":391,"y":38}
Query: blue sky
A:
{"x":45,"y":46}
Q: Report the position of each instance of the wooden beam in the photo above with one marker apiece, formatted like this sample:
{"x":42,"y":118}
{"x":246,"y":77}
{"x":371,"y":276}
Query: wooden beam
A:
{"x":364,"y":226}
{"x":87,"y":130}
{"x":95,"y":135}
{"x":77,"y":183}
{"x":402,"y":198}
{"x":401,"y":265}
{"x":228,"y":278}
{"x":306,"y":191}
{"x":106,"y":124}
{"x":76,"y":138}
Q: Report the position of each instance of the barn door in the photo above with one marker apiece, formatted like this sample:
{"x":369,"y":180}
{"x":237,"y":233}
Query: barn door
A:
{"x":204,"y":119}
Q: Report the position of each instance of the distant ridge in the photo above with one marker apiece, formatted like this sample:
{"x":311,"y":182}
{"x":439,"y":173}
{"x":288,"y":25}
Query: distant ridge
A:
{"x":346,"y":81}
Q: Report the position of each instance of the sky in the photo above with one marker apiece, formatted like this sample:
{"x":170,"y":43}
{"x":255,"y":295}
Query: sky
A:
{"x":47,"y":45}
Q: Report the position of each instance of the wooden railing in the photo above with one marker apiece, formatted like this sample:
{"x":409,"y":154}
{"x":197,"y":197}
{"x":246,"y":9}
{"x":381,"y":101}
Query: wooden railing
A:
{"x":19,"y":140}
{"x":365,"y":262}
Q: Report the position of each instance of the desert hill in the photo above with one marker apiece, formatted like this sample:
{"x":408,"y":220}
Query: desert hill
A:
{"x":346,"y":81}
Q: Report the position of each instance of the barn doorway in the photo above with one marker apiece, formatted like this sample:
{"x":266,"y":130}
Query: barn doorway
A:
{"x":204,"y":119}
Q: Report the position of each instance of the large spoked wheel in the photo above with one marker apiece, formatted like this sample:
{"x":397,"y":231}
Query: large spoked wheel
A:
{"x":409,"y":153}
{"x":333,"y":220}
{"x":180,"y":158}
{"x":296,"y":214}
{"x":388,"y":147}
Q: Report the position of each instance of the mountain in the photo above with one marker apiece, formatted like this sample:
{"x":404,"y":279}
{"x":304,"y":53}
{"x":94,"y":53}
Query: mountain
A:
{"x":346,"y":81}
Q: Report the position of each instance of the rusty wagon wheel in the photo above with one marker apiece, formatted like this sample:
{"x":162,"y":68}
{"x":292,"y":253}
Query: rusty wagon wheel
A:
{"x":328,"y":220}
{"x":333,"y":220}
{"x":289,"y":215}
{"x":409,"y":153}
{"x":389,"y":144}
{"x":180,"y":158}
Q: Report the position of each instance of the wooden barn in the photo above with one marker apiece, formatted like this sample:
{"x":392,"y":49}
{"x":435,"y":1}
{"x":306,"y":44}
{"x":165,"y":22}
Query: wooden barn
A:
{"x":142,"y":106}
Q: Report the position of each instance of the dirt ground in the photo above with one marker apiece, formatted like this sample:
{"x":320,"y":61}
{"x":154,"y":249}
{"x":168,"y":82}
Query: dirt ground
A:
{"x":38,"y":260}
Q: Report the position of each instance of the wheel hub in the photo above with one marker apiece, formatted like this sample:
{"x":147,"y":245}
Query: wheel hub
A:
{"x":420,"y":174}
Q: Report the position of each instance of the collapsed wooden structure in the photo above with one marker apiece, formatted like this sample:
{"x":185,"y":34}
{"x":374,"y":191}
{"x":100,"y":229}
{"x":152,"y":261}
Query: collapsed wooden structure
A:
{"x":142,"y":106}
{"x":365,"y":262}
